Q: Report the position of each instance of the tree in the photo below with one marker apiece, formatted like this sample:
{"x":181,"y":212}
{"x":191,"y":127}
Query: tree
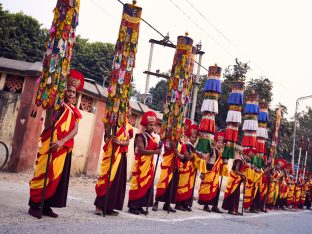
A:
{"x":22,"y":37}
{"x":134,"y":93}
{"x":262,"y":86}
{"x":159,"y":93}
{"x":93,"y":59}
{"x":304,"y":126}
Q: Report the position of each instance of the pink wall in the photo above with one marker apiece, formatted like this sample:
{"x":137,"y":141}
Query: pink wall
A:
{"x":27,"y":130}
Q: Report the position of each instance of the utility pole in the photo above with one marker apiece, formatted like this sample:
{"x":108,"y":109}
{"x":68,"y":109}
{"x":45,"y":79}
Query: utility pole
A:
{"x":149,"y":66}
{"x":166,"y":43}
{"x":163,"y":42}
{"x":196,"y":85}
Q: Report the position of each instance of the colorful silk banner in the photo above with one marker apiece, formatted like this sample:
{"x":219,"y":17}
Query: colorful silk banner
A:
{"x":123,"y":64}
{"x":56,"y":61}
{"x":233,"y":119}
{"x":178,"y":97}
{"x":278,"y":117}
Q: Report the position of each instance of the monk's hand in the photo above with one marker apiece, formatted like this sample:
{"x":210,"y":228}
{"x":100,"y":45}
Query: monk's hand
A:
{"x":115,"y":140}
{"x":202,"y":176}
{"x":180,"y":156}
{"x":58,"y":144}
{"x":158,"y":151}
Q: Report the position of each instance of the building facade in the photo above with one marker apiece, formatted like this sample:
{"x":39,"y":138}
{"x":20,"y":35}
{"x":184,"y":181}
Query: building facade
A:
{"x":21,"y":132}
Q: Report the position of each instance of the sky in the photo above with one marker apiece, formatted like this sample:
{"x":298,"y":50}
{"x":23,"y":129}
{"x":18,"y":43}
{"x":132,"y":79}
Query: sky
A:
{"x":274,"y":36}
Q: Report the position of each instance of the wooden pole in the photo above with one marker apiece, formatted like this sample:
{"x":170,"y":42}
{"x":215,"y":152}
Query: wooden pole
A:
{"x":109,"y":172}
{"x":48,"y":162}
{"x":151,"y":192}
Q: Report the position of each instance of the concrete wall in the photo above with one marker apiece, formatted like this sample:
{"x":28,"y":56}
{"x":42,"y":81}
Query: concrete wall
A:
{"x":82,"y":143}
{"x":97,"y":139}
{"x":9,"y":105}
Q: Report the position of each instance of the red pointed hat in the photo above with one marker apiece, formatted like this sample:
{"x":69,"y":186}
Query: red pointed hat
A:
{"x":148,"y":117}
{"x":282,"y":162}
{"x":250,"y":150}
{"x":219,"y":136}
{"x":191,"y":130}
{"x":187,"y":124}
{"x":75,"y":79}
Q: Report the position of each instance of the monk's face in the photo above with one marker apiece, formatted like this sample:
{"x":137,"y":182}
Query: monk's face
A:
{"x":219,"y":144}
{"x":70,"y":95}
{"x":150,"y":127}
{"x":193,"y":138}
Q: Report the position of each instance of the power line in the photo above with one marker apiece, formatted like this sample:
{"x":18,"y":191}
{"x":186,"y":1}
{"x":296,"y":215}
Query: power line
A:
{"x":104,"y":10}
{"x":203,"y":30}
{"x":222,"y":34}
{"x":212,"y":25}
{"x":163,"y":36}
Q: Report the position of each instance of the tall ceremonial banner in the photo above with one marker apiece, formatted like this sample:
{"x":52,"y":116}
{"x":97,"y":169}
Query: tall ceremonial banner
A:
{"x":233,"y":119}
{"x":209,"y":109}
{"x":56,"y":61}
{"x":262,"y":132}
{"x":178,"y":97}
{"x":123,"y":64}
{"x":278,"y":117}
{"x":250,"y":126}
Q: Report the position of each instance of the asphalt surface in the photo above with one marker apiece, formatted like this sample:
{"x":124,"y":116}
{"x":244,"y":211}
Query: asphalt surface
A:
{"x":78,"y":216}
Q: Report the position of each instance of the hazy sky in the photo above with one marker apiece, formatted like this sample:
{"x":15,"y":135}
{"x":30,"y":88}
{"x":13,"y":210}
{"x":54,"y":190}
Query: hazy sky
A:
{"x":274,"y":35}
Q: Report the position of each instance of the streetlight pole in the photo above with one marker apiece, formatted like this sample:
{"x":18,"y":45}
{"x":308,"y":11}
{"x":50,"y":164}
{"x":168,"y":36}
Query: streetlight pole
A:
{"x":295,"y":129}
{"x":306,"y":156}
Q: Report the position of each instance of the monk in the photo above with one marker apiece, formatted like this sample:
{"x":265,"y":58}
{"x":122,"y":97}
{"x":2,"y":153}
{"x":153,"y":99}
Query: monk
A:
{"x":291,"y":186}
{"x":66,"y":127}
{"x":209,"y":188}
{"x":264,"y":186}
{"x":190,"y":162}
{"x":250,"y":182}
{"x":145,"y":146}
{"x":169,"y":179}
{"x":274,"y":185}
{"x":235,"y":178}
{"x":118,"y":178}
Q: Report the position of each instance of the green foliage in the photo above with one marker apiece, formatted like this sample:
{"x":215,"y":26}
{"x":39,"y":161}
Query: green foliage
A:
{"x":22,"y":37}
{"x":93,"y":59}
{"x":159,"y":93}
{"x":262,"y":86}
{"x":133,"y":91}
{"x":304,"y":125}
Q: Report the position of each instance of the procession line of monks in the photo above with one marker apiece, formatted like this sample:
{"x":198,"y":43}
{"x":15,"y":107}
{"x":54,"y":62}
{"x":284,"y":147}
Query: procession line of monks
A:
{"x":271,"y":187}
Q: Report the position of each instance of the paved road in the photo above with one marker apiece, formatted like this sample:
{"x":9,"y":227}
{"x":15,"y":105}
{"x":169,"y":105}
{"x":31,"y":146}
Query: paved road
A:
{"x":78,"y":217}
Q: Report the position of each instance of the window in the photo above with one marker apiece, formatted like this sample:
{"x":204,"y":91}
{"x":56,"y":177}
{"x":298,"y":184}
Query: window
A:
{"x":132,"y":120}
{"x":13,"y":83}
{"x":86,"y":103}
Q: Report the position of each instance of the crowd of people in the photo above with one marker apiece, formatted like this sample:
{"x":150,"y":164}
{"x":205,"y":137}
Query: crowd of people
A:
{"x":272,"y":187}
